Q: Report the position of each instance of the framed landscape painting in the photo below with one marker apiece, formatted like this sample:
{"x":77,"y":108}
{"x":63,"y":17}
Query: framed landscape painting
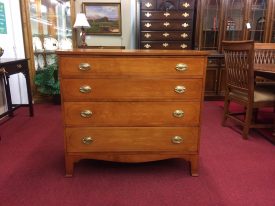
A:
{"x":104,"y":18}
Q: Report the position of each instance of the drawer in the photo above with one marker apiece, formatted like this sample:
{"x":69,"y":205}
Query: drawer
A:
{"x":131,"y":89}
{"x":148,"y":4}
{"x":134,"y":139}
{"x":130,"y":66}
{"x":14,"y":67}
{"x":131,"y":113}
{"x":186,"y":45}
{"x":166,"y":25}
{"x":167,"y":15}
{"x":165,"y":36}
{"x":167,"y":5}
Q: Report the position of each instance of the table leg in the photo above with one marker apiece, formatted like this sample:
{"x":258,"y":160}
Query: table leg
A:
{"x":27,"y":77}
{"x":8,"y":95}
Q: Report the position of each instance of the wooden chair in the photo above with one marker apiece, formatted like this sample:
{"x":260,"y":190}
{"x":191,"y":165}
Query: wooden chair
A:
{"x":264,"y":55}
{"x":241,"y":88}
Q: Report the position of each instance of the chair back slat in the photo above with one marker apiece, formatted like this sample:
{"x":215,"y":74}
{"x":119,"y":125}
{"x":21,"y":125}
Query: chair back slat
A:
{"x":264,"y":53}
{"x":239,"y":65}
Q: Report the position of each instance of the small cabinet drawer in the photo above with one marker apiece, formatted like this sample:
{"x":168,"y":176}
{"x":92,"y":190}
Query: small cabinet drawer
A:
{"x":131,"y":89}
{"x":103,"y":139}
{"x":132,"y":113}
{"x":165,"y":35}
{"x":166,"y":15}
{"x":124,"y":67}
{"x":166,"y":45}
{"x":166,"y":25}
{"x":14,"y":67}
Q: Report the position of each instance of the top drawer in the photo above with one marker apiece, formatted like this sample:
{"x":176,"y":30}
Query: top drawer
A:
{"x":98,"y":67}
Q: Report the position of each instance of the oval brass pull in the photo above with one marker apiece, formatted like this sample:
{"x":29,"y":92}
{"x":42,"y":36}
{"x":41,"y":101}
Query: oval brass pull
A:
{"x":181,"y":67}
{"x":19,"y":66}
{"x":177,"y":139}
{"x":178,"y":113}
{"x":87,"y":140}
{"x":180,"y":89}
{"x":85,"y":89}
{"x":86,"y":113}
{"x":84,"y":66}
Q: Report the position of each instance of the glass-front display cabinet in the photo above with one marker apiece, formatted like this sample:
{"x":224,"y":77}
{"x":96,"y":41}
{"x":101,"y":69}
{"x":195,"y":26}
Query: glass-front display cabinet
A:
{"x":257,"y":20}
{"x":48,"y":28}
{"x":51,"y":29}
{"x":209,"y":38}
{"x":234,"y":20}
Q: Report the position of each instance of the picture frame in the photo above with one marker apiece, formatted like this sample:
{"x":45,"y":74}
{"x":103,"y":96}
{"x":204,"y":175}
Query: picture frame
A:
{"x":104,"y":18}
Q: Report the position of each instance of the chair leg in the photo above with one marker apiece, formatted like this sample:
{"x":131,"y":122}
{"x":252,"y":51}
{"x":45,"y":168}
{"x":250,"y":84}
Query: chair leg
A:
{"x":226,"y":110}
{"x":247,"y":122}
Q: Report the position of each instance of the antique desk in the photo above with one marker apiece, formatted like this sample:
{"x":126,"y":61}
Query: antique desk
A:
{"x":9,"y":67}
{"x":132,"y":105}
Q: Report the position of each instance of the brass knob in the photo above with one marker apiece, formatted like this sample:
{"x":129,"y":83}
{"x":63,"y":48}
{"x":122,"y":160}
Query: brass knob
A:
{"x":87,"y":140}
{"x":84,"y":66}
{"x":177,"y":139}
{"x":181,"y":67}
{"x":19,"y":66}
{"x":86,"y":113}
{"x":178,"y":113}
{"x":3,"y":70}
{"x":180,"y":89}
{"x":85,"y":89}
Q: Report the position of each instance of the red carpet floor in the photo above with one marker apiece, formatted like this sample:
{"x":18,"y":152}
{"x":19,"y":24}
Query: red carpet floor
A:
{"x":233,"y":172}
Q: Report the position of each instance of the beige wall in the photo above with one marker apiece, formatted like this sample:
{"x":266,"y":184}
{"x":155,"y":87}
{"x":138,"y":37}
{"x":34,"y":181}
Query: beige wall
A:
{"x":127,"y":38}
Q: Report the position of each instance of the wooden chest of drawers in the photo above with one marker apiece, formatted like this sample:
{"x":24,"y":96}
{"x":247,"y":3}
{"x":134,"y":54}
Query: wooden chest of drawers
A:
{"x":165,"y":24}
{"x":131,"y":105}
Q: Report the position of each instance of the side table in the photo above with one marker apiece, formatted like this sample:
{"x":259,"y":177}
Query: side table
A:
{"x":8,"y":67}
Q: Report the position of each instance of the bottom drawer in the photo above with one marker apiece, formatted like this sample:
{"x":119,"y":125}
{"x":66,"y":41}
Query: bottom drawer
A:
{"x":118,"y":139}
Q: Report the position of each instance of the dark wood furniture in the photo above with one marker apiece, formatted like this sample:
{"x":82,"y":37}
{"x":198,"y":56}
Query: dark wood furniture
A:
{"x":9,"y":67}
{"x":241,"y":88}
{"x":165,"y":24}
{"x":132,"y":105}
{"x":219,"y":20}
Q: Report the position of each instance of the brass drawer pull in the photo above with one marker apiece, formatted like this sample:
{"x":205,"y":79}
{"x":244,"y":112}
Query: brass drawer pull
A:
{"x":84,"y":66}
{"x":148,"y":14}
{"x":181,"y":67}
{"x":19,"y":66}
{"x":87,"y":140}
{"x":85,"y":89}
{"x":180,"y":89}
{"x":86,"y":113}
{"x":3,"y":70}
{"x":177,"y":139}
{"x":178,"y":113}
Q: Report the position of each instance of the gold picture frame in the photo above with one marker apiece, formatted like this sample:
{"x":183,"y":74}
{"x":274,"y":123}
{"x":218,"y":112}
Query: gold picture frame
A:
{"x":104,"y":18}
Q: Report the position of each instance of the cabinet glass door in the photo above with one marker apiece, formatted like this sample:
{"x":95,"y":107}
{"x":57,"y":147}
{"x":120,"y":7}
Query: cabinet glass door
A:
{"x":51,"y":29}
{"x":257,"y":20}
{"x":210,"y":24}
{"x":234,"y":20}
